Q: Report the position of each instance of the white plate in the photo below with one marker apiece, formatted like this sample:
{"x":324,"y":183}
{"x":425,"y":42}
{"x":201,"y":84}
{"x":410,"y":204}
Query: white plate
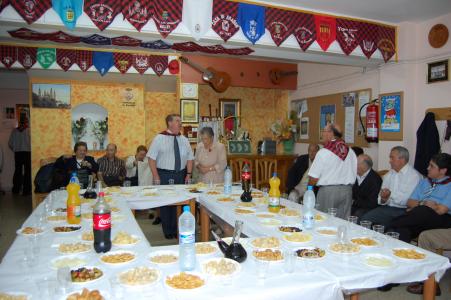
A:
{"x":186,"y":290}
{"x":291,"y":209}
{"x":257,"y":247}
{"x":86,"y":282}
{"x":327,"y":228}
{"x":244,"y":205}
{"x":234,"y":273}
{"x":378,"y":256}
{"x":265,"y":215}
{"x":69,"y":232}
{"x":57,"y":221}
{"x":17,"y":294}
{"x":285,"y":238}
{"x":364,"y":237}
{"x":344,"y":253}
{"x":409,"y":259}
{"x":138,"y":239}
{"x":321,"y":216}
{"x":164,"y":252}
{"x":150,"y":284}
{"x":117,"y":252}
{"x":270,"y":222}
{"x":82,"y":262}
{"x":245,"y":208}
{"x":104,"y":294}
{"x":213,"y":244}
{"x":19,"y":231}
{"x":311,"y":258}
{"x":75,"y":253}
{"x":289,"y":225}
{"x":270,"y":261}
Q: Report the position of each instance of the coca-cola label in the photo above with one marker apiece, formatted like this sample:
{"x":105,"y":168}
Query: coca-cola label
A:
{"x":101,"y":222}
{"x":246,"y":175}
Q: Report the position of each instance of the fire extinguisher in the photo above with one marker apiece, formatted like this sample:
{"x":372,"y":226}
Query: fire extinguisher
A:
{"x":372,"y":121}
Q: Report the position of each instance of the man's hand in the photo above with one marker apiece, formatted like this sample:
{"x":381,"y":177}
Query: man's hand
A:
{"x":430,"y":203}
{"x":188,"y":178}
{"x":385,"y":195}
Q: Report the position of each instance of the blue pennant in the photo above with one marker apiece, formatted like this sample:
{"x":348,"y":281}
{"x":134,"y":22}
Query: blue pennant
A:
{"x":103,"y":61}
{"x":69,"y":11}
{"x":252,"y":21}
{"x":159,"y":44}
{"x":96,"y":39}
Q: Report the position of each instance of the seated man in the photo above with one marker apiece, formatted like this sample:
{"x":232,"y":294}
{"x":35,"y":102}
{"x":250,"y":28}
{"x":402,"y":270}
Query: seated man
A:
{"x":111,"y":169}
{"x":429,"y":206}
{"x":80,"y":163}
{"x":366,"y":188}
{"x":297,"y":178}
{"x":397,"y":186}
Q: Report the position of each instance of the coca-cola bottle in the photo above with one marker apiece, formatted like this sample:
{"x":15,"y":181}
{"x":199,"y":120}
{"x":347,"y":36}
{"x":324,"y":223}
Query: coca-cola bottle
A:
{"x":101,"y":222}
{"x":246,"y":178}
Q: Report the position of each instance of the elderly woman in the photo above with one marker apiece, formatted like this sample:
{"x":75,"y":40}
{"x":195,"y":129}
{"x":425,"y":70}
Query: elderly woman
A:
{"x":137,"y":166}
{"x":80,"y":163}
{"x":211,"y":159}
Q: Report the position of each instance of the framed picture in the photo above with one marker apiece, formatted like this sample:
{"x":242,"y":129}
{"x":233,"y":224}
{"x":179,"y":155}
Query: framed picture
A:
{"x":229,"y":107}
{"x":390,"y":116}
{"x":46,"y":95}
{"x":191,"y":132}
{"x":189,"y":110}
{"x":304,"y":128}
{"x":438,"y":71}
{"x":326,"y":116}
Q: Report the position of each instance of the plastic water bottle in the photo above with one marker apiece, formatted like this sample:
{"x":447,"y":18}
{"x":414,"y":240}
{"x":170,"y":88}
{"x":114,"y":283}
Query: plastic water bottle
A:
{"x":309,"y":204}
{"x":227,"y":181}
{"x":74,"y":178}
{"x":187,"y":238}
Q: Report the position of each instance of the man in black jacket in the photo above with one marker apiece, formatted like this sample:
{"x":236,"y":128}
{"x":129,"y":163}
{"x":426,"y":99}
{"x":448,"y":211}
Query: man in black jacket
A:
{"x":366,"y":187}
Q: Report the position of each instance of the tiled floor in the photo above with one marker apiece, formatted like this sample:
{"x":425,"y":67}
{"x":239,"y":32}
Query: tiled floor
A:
{"x":15,"y":209}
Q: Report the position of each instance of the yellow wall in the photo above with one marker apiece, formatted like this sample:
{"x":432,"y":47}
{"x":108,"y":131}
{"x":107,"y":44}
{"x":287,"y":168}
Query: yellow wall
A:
{"x":158,"y":106}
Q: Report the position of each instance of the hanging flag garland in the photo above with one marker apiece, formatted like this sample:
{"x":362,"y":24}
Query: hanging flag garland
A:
{"x":158,"y":63}
{"x":26,"y":57}
{"x":215,"y":49}
{"x":27,"y":34}
{"x":83,"y":59}
{"x":140,"y":63}
{"x":96,"y":40}
{"x":102,"y":12}
{"x":196,"y":16}
{"x":252,"y":21}
{"x":225,"y":19}
{"x":3,"y":4}
{"x":137,"y":12}
{"x":65,"y":58}
{"x":368,"y":38}
{"x":167,"y":15}
{"x":62,"y":37}
{"x":304,"y":29}
{"x":31,"y":10}
{"x":386,"y":42}
{"x":348,"y":35}
{"x":159,"y":44}
{"x":8,"y":55}
{"x":46,"y":57}
{"x":125,"y":41}
{"x":69,"y":11}
{"x":278,"y":23}
{"x":103,"y":61}
{"x":325,"y":31}
{"x":123,"y":61}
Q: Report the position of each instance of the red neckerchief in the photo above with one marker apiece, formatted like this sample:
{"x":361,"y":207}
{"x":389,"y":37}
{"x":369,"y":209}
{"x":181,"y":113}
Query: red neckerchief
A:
{"x":338,"y":147}
{"x":169,"y":133}
{"x":446,"y":181}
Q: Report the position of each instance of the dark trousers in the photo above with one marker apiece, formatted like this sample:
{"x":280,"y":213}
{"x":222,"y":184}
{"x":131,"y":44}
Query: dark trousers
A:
{"x":22,"y":172}
{"x":419,"y":219}
{"x":168,"y":214}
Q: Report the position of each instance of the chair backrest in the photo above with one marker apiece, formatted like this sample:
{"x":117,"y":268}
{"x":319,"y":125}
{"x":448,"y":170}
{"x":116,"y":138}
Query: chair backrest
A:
{"x":382,"y":172}
{"x":264,"y":168}
{"x":237,"y":164}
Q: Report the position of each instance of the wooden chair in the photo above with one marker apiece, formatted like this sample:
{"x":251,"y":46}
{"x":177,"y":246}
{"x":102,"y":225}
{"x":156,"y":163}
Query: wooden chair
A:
{"x":382,"y":172}
{"x":264,"y":168}
{"x":237,"y":165}
{"x":39,"y":197}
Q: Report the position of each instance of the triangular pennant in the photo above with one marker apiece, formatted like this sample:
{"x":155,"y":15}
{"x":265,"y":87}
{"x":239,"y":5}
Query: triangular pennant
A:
{"x":46,"y":57}
{"x":123,"y":61}
{"x":65,"y":58}
{"x":187,"y":47}
{"x":8,"y":55}
{"x":348,"y":35}
{"x":279,"y":24}
{"x":159,"y":44}
{"x":3,"y":4}
{"x":369,"y":36}
{"x":103,"y":61}
{"x":252,"y":21}
{"x":325,"y":31}
{"x":304,"y":29}
{"x":224,"y":19}
{"x":158,"y":63}
{"x":239,"y":51}
{"x":167,"y":15}
{"x":140,"y":63}
{"x":137,"y":12}
{"x":386,"y":42}
{"x":27,"y":34}
{"x":83,"y":59}
{"x":96,"y":39}
{"x":31,"y":10}
{"x":69,"y":11}
{"x":26,"y":56}
{"x":102,"y":12}
{"x":62,"y":37}
{"x":125,"y":41}
{"x":197,"y":16}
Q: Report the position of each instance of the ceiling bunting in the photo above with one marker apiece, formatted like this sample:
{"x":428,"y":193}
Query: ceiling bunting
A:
{"x":27,"y":34}
{"x":279,"y":24}
{"x":214,"y":49}
{"x":62,"y":37}
{"x":225,"y":19}
{"x":102,"y":61}
{"x":137,"y":12}
{"x":69,"y":11}
{"x":325,"y":31}
{"x":196,"y":16}
{"x":386,"y":42}
{"x":65,"y":58}
{"x":8,"y":55}
{"x":304,"y":29}
{"x":26,"y":57}
{"x":126,"y":41}
{"x":158,"y":44}
{"x":83,"y":58}
{"x":123,"y":61}
{"x":140,"y":63}
{"x":167,"y":15}
{"x":158,"y":63}
{"x":174,"y":67}
{"x":252,"y":21}
{"x":348,"y":35}
{"x":96,"y":39}
{"x":46,"y":57}
{"x":3,"y":4}
{"x":31,"y":10}
{"x":369,"y":36}
{"x":102,"y":12}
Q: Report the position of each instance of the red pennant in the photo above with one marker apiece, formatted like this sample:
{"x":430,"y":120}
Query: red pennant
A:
{"x":8,"y":55}
{"x":65,"y":58}
{"x":369,"y":37}
{"x":31,"y":10}
{"x":83,"y":59}
{"x":224,"y":20}
{"x":126,"y":41}
{"x":167,"y":15}
{"x":325,"y":31}
{"x":137,"y":12}
{"x":386,"y":43}
{"x":279,"y":24}
{"x":62,"y":37}
{"x":304,"y":29}
{"x":186,"y":47}
{"x":348,"y":35}
{"x":140,"y":63}
{"x":102,"y":12}
{"x":3,"y":4}
{"x":123,"y":61}
{"x":174,"y":67}
{"x":27,"y":34}
{"x":26,"y":56}
{"x":158,"y":63}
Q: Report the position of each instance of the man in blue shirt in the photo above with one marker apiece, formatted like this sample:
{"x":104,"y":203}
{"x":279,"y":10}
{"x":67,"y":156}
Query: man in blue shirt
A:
{"x":429,"y":206}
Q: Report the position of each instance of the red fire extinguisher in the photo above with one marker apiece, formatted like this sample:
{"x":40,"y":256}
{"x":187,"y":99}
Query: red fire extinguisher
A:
{"x":372,"y":121}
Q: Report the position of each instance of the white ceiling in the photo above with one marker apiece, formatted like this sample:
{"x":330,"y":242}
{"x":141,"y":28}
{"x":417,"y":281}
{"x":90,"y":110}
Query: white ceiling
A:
{"x":393,"y":11}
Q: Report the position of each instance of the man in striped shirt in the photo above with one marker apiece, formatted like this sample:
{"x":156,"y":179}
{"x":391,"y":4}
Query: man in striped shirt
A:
{"x":170,"y":159}
{"x":111,"y":168}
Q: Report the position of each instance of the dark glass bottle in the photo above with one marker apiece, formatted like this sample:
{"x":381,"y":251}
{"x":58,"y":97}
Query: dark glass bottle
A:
{"x":235,"y":250}
{"x":246,"y":178}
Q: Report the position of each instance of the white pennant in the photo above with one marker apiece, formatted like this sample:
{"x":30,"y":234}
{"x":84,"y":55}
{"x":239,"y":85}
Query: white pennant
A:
{"x":197,"y":16}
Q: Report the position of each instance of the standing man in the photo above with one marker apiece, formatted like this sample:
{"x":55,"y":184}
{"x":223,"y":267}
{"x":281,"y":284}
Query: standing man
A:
{"x":170,"y":157}
{"x":19,"y":143}
{"x":334,"y":170}
{"x":111,"y":168}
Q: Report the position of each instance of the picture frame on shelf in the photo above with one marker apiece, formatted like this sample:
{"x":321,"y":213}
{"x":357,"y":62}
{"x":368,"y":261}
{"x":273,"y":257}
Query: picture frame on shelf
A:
{"x":190,"y":131}
{"x":189,"y":110}
{"x":229,"y":107}
{"x":438,"y":71}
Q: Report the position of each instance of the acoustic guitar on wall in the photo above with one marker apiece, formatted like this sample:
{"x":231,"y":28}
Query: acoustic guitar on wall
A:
{"x":219,"y":81}
{"x":276,"y":75}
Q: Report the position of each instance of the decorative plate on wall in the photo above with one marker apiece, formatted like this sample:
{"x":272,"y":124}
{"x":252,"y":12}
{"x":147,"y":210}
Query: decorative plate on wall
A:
{"x":438,"y":35}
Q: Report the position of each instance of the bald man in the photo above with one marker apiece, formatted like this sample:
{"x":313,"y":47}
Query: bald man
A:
{"x":334,"y":170}
{"x":111,"y":169}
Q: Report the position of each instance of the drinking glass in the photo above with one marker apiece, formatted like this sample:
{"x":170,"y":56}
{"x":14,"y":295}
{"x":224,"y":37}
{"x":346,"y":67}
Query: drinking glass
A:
{"x":366,"y":224}
{"x":393,"y":235}
{"x":189,"y":181}
{"x":171,"y":181}
{"x":353,"y":219}
{"x":332,"y":211}
{"x":290,"y":260}
{"x":210,"y":184}
{"x":284,"y":196}
{"x":262,"y":267}
{"x":156,"y":182}
{"x":63,"y":278}
{"x":379,"y":228}
{"x":116,"y":288}
{"x":127,"y":183}
{"x":342,"y":235}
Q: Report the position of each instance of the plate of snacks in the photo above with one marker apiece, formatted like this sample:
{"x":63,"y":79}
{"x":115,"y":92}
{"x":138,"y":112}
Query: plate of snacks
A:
{"x":270,"y":222}
{"x":118,"y":258}
{"x":74,"y":248}
{"x":265,"y":215}
{"x":30,"y":230}
{"x":291,"y":213}
{"x":67,"y":262}
{"x":220,"y":267}
{"x":344,"y":248}
{"x":56,"y":218}
{"x":225,"y":199}
{"x":409,"y":254}
{"x":266,"y":242}
{"x":289,"y":228}
{"x":327,"y":231}
{"x":364,"y":241}
{"x":271,"y":255}
{"x":319,"y":218}
{"x":86,"y":274}
{"x":87,"y":216}
{"x":14,"y":296}
{"x":213,"y":192}
{"x":164,"y":257}
{"x":87,"y":294}
{"x":66,"y":229}
{"x":310,"y":253}
{"x":378,"y":261}
{"x":246,"y":204}
{"x":298,"y":237}
{"x":257,"y":194}
{"x":123,"y":238}
{"x":245,"y":211}
{"x":205,"y":249}
{"x":87,"y":236}
{"x":185,"y":281}
{"x":115,"y":209}
{"x":139,"y":276}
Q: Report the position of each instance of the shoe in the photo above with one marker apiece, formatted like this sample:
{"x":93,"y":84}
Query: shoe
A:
{"x":417,"y":289}
{"x":156,"y":221}
{"x":387,"y":287}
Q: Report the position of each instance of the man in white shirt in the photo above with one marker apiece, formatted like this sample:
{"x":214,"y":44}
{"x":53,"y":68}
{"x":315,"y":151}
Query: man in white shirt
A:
{"x":397,"y":186}
{"x":170,"y":158}
{"x":334,"y":170}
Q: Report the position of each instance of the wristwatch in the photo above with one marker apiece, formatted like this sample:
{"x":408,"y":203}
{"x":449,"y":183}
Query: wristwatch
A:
{"x":421,"y":203}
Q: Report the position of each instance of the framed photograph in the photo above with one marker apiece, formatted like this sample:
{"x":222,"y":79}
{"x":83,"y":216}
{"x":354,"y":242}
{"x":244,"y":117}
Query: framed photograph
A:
{"x":438,"y":71}
{"x":189,"y":110}
{"x":304,"y":128}
{"x":326,"y":116}
{"x":191,"y":132}
{"x":229,"y":107}
{"x":45,"y":95}
{"x":390,"y":116}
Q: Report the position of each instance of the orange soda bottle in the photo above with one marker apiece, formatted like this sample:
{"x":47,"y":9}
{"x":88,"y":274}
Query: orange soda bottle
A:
{"x":274,"y":194}
{"x":73,"y":202}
